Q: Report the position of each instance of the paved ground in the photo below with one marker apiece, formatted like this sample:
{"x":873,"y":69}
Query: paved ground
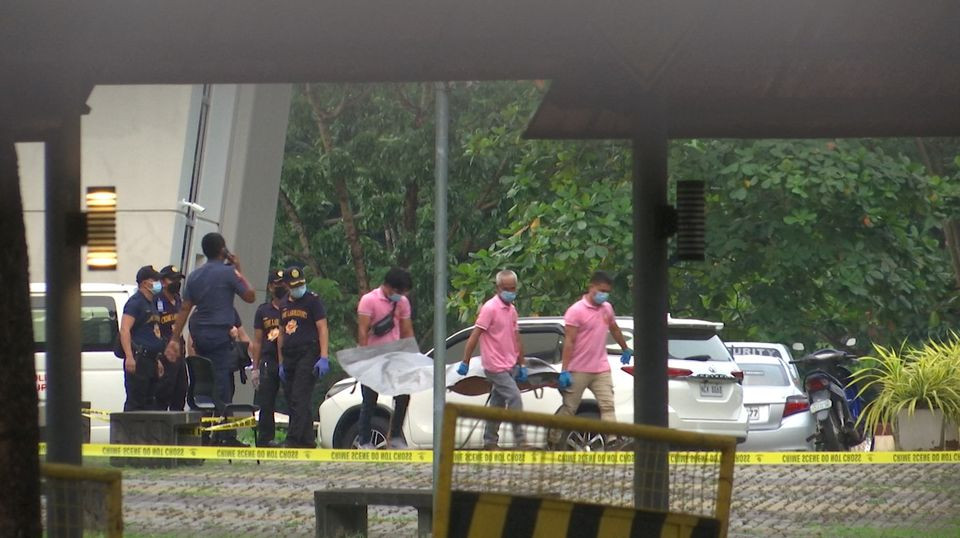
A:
{"x":274,"y":499}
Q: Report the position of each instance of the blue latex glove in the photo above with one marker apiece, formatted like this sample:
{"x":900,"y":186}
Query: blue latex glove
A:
{"x":321,"y":367}
{"x":463,"y":368}
{"x":563,"y":380}
{"x":283,"y":374}
{"x":626,"y":356}
{"x":521,"y":374}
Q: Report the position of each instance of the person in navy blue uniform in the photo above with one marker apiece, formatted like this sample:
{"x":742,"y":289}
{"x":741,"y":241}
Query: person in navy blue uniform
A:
{"x":263,"y":351}
{"x":303,"y":347}
{"x":208,"y":293}
{"x":141,"y":342}
{"x":172,"y":387}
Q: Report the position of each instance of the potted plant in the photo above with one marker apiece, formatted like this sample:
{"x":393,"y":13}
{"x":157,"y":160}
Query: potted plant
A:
{"x":917,"y":390}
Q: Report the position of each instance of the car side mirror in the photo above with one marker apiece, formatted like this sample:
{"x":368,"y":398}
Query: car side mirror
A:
{"x":798,"y":346}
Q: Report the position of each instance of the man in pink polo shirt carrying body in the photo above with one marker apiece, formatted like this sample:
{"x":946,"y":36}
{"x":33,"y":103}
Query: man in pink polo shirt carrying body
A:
{"x":383,"y":316}
{"x":500,"y":351}
{"x":586,"y":325}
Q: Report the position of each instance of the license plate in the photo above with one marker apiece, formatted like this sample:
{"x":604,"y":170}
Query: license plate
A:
{"x":711,"y":390}
{"x":753,"y":413}
{"x":821,"y":405}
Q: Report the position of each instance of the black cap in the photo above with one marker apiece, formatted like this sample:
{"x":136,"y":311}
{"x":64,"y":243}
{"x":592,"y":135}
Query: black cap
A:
{"x":275,"y":277}
{"x":171,"y":271}
{"x":147,"y":272}
{"x":293,"y":276}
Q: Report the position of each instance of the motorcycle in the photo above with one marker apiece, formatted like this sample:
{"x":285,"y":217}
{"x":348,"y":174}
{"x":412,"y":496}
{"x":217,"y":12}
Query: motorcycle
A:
{"x":834,"y":399}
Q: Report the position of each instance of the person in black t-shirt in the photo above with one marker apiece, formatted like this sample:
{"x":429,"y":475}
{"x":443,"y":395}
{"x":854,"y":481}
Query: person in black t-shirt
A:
{"x":172,"y":387}
{"x":303,"y":347}
{"x":263,"y":350}
{"x":142,"y":343}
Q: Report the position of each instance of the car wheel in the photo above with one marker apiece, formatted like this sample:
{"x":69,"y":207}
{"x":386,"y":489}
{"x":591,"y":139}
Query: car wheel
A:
{"x":578,"y":441}
{"x":351,"y":438}
{"x":830,"y":432}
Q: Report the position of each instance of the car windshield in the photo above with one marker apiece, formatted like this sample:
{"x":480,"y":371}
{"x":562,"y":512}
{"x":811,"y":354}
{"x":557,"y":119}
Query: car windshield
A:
{"x":764,"y":375}
{"x":692,"y":344}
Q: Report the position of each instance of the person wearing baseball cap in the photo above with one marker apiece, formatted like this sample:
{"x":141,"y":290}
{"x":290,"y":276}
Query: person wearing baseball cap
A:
{"x":303,"y":351}
{"x":263,"y":351}
{"x":172,"y":387}
{"x":141,"y":342}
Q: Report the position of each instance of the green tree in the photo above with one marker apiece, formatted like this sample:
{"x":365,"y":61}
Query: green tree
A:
{"x":807,"y":240}
{"x":357,"y":186}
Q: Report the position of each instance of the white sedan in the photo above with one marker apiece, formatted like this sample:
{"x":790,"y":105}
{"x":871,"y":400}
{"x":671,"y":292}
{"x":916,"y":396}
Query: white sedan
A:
{"x":705,"y":394}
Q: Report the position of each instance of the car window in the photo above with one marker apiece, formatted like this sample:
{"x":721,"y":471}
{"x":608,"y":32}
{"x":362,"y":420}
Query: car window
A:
{"x":689,"y":343}
{"x":613,"y":346}
{"x":764,"y":375}
{"x":98,"y":322}
{"x":545,"y":343}
{"x":682,"y":343}
{"x":545,"y":346}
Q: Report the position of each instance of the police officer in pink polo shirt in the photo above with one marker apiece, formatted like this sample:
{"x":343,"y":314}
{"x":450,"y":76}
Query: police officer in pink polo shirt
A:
{"x":500,"y":352}
{"x":383,"y":316}
{"x":586,"y":325}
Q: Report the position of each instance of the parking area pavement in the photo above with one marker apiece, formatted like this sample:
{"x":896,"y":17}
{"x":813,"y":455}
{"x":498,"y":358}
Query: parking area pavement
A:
{"x":275,"y":499}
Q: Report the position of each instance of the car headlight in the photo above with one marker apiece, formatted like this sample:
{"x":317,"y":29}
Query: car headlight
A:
{"x":338,"y":388}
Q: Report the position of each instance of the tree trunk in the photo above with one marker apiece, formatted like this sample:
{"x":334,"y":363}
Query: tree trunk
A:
{"x":301,"y":231}
{"x":340,"y":187}
{"x":951,"y":229}
{"x":19,"y":433}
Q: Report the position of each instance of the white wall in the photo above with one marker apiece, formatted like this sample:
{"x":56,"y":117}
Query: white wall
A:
{"x":135,"y":139}
{"x":142,"y":140}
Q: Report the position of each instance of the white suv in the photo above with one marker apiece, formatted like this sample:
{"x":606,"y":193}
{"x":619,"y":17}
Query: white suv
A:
{"x":705,"y":392}
{"x":101,"y":371}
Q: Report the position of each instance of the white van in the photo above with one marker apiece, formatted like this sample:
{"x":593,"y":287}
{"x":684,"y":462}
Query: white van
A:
{"x":101,"y":371}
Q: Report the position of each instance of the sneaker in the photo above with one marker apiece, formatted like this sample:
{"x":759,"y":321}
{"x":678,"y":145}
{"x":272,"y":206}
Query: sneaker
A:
{"x":397,"y":444}
{"x":491,"y":446}
{"x":366,"y":446}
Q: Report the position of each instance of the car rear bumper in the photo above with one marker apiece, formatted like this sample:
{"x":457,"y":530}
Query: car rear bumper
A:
{"x":792,"y":435}
{"x":734,"y":428}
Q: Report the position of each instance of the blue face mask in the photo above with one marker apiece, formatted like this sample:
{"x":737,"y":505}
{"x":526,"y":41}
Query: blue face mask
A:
{"x":395,"y":297}
{"x":600,"y":297}
{"x":299,"y":291}
{"x":157,"y":287}
{"x":508,"y":296}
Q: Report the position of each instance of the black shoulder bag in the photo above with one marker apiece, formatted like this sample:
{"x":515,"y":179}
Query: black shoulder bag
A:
{"x":384,"y":325}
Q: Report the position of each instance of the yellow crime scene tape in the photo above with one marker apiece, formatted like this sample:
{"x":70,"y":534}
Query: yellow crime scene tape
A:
{"x":322,"y":455}
{"x":219,"y":423}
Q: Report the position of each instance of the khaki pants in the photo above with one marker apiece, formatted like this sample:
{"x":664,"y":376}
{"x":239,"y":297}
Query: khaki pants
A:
{"x":602,"y":387}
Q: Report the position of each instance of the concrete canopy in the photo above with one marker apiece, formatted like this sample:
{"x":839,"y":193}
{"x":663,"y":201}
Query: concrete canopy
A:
{"x":739,"y":68}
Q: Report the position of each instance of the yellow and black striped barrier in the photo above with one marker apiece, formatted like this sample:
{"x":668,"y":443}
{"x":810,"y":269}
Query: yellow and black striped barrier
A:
{"x":487,"y":515}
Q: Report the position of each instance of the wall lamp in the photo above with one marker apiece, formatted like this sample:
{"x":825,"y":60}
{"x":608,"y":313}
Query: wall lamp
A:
{"x":101,"y":221}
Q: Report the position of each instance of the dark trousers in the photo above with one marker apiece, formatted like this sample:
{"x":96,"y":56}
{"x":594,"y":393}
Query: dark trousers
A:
{"x":298,"y":367}
{"x":266,"y":398}
{"x":368,"y":407}
{"x":141,"y":386}
{"x":172,"y":386}
{"x":216,"y":345}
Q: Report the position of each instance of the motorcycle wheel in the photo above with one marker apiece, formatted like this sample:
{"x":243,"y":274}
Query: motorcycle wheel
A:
{"x":830,"y":433}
